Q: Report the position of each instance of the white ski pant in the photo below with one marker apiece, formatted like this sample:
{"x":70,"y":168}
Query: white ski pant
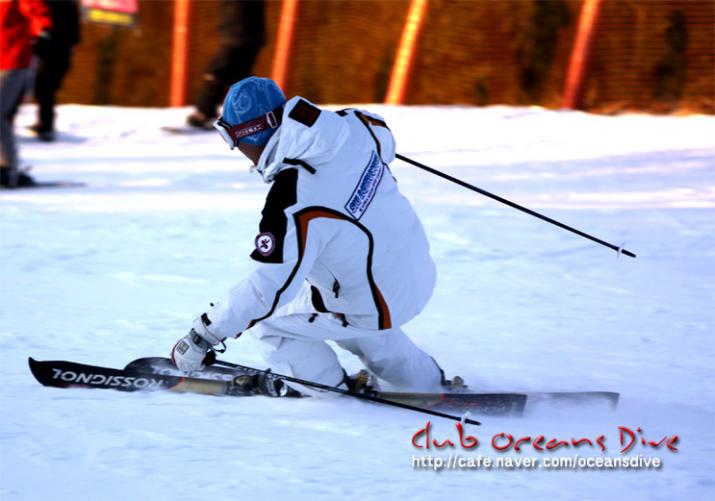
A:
{"x":296,"y":346}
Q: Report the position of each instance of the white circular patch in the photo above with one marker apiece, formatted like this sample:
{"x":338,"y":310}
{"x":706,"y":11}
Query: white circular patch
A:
{"x":265,"y":243}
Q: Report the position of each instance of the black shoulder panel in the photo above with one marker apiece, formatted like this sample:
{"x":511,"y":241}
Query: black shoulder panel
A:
{"x":273,"y":225}
{"x":305,"y":113}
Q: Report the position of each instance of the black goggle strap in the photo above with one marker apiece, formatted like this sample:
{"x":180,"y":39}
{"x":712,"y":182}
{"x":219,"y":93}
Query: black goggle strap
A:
{"x":232,"y":134}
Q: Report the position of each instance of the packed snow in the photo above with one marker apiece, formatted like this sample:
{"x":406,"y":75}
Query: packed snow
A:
{"x":118,"y":268}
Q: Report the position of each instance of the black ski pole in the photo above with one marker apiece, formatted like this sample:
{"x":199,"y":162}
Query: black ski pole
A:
{"x":511,"y":204}
{"x":371,"y":398}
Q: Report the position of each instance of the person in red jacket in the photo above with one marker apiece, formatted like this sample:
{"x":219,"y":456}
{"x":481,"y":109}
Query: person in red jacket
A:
{"x":24,"y":26}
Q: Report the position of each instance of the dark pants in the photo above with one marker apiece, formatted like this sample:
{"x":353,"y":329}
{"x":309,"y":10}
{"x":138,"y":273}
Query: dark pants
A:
{"x":12,"y":87}
{"x":51,"y":70}
{"x":230,"y":65}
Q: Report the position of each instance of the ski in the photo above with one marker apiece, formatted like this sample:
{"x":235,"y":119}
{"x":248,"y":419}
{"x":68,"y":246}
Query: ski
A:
{"x":186,"y":129}
{"x":62,"y":374}
{"x":492,"y":404}
{"x":507,"y":403}
{"x":159,"y":374}
{"x":481,"y":403}
{"x":497,"y":403}
{"x":55,"y":184}
{"x":44,"y":185}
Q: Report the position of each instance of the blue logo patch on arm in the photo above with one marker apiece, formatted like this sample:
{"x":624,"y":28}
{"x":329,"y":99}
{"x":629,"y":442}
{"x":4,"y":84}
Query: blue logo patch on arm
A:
{"x":366,"y":187}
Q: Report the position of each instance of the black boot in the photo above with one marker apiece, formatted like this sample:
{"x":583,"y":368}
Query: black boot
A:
{"x":11,"y":178}
{"x":45,"y":134}
{"x":200,"y":120}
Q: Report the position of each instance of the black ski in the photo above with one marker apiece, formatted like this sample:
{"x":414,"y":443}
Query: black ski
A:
{"x":499,"y":403}
{"x":61,"y":374}
{"x":186,"y":129}
{"x":45,"y":184}
{"x":57,"y":184}
{"x":159,"y":374}
{"x":477,"y":403}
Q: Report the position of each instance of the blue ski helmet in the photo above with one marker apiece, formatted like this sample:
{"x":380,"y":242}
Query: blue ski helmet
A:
{"x":252,"y":98}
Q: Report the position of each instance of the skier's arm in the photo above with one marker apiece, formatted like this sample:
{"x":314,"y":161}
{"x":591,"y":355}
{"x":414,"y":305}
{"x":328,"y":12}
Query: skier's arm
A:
{"x":283,"y":256}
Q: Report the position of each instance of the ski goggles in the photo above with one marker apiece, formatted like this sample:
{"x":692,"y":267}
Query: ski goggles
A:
{"x":232,"y":134}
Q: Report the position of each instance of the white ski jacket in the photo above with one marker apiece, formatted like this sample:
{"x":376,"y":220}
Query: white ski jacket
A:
{"x":336,"y":233}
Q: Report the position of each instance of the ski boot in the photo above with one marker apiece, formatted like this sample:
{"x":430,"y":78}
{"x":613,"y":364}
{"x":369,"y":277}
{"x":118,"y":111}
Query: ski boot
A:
{"x":265,"y":384}
{"x":454,"y":385}
{"x":363,"y":382}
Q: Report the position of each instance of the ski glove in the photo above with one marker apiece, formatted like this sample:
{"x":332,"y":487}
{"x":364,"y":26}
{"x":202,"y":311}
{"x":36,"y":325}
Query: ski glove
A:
{"x":194,"y":351}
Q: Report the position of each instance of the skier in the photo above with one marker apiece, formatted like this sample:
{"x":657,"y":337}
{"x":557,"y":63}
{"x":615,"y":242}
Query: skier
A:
{"x":25,"y":25}
{"x":340,"y":255}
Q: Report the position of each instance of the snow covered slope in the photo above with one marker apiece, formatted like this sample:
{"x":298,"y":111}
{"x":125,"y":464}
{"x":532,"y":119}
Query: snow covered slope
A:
{"x":119,"y":268}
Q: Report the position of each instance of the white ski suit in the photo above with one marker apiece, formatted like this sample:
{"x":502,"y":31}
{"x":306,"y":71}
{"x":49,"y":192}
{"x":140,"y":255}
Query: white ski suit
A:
{"x":341,"y":254}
